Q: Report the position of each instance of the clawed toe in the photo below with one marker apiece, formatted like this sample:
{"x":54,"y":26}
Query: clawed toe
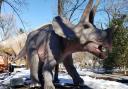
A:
{"x":35,"y":86}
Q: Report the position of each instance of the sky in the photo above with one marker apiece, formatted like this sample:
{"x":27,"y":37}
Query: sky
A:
{"x":39,"y":12}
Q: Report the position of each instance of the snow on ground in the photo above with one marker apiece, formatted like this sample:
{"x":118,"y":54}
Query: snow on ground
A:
{"x":95,"y":83}
{"x":18,"y":73}
{"x":65,"y":78}
{"x":103,"y":84}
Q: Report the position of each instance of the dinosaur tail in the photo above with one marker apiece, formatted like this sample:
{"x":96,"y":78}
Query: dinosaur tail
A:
{"x":21,"y":54}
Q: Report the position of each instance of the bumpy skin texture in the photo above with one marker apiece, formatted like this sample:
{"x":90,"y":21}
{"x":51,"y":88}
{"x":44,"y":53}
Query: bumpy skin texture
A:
{"x":45,"y":49}
{"x":54,"y":43}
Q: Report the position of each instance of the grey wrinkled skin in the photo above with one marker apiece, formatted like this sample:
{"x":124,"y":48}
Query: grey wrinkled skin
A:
{"x":51,"y":44}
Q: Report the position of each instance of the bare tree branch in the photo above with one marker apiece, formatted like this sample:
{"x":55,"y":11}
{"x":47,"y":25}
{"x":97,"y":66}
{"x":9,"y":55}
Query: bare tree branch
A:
{"x":14,"y":9}
{"x":75,"y":8}
{"x":70,"y":7}
{"x":7,"y":26}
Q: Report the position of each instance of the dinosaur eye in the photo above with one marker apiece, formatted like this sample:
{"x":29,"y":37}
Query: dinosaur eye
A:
{"x":86,"y":26}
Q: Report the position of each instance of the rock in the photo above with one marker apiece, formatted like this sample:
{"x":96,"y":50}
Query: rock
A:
{"x":15,"y":82}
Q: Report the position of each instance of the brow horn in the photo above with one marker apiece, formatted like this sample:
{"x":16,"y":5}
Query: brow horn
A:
{"x":93,"y":11}
{"x":85,"y":15}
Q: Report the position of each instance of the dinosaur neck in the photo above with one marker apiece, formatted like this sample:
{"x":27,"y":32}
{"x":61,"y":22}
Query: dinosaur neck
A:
{"x":72,"y":46}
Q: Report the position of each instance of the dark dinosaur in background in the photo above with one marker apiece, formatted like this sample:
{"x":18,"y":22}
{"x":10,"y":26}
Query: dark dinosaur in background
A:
{"x":55,"y":43}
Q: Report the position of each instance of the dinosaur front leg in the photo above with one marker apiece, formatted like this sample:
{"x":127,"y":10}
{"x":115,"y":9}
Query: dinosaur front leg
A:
{"x":56,"y":80}
{"x":68,"y":63}
{"x":47,"y":73}
{"x":34,"y":63}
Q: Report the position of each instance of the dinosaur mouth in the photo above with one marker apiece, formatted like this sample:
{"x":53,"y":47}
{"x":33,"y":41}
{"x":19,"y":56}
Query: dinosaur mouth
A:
{"x":101,"y":52}
{"x":97,"y":49}
{"x":102,"y":49}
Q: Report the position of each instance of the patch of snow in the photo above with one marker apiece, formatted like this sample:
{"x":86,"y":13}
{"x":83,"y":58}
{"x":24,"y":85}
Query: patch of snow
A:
{"x":103,"y":84}
{"x":65,"y":78}
{"x":94,"y":83}
{"x":18,"y":73}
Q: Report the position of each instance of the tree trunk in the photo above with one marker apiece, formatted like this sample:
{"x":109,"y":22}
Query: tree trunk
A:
{"x":0,"y":5}
{"x":125,"y":72}
{"x":60,"y":8}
